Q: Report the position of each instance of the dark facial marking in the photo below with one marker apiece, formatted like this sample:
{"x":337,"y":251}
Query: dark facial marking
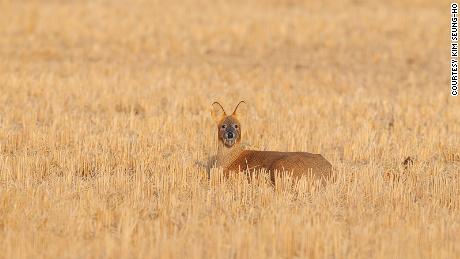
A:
{"x":229,"y":131}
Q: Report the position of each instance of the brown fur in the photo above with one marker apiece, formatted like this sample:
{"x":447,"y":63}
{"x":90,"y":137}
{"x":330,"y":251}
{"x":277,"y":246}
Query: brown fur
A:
{"x":298,"y":163}
{"x":235,"y":158}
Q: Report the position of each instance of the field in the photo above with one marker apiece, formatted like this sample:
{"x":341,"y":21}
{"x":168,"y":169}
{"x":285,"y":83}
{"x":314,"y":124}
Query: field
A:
{"x":105,"y":127}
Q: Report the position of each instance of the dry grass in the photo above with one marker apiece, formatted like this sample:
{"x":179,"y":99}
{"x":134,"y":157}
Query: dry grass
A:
{"x":104,"y":122}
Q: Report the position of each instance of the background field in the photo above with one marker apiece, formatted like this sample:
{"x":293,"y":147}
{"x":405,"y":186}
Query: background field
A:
{"x":105,"y":122}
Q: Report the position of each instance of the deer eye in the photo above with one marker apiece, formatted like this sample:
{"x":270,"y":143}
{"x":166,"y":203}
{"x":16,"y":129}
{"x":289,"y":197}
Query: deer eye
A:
{"x":224,"y":126}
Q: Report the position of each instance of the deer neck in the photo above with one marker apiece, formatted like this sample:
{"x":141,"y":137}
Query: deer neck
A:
{"x":227,"y":155}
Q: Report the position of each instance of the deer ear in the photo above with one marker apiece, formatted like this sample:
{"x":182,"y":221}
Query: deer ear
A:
{"x":238,"y":111}
{"x":217,"y":112}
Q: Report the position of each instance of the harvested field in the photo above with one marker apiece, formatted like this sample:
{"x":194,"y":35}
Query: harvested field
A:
{"x":105,"y":126}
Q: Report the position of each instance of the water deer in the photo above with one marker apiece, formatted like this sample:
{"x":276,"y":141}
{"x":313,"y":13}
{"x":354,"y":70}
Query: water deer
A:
{"x":233,"y":157}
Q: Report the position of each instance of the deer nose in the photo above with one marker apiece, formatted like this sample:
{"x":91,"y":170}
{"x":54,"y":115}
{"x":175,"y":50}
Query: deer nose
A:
{"x":230,"y":135}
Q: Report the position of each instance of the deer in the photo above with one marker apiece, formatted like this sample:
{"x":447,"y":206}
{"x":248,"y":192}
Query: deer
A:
{"x":232,"y":156}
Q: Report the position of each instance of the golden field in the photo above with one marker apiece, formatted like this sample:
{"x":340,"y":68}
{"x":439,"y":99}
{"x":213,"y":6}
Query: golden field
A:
{"x":105,"y":127}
